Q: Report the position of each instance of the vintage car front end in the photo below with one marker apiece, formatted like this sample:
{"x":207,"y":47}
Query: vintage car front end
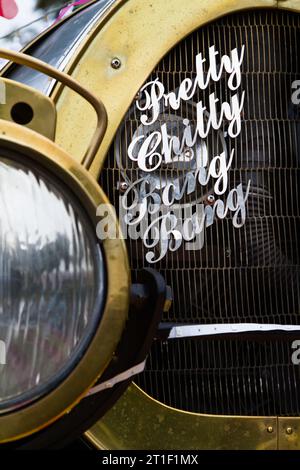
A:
{"x":150,"y":219}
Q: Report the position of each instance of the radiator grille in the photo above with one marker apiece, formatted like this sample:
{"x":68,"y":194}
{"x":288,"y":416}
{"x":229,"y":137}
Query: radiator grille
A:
{"x":246,"y":275}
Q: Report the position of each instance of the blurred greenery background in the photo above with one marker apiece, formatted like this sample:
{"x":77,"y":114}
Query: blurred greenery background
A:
{"x":34,"y":17}
{"x":47,"y":3}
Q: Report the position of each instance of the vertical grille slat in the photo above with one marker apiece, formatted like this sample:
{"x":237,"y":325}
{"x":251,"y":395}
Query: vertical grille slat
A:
{"x":247,"y":275}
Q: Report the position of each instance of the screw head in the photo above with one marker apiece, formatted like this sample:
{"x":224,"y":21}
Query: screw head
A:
{"x":116,"y":63}
{"x":123,"y":186}
{"x":270,"y":429}
{"x":188,"y":153}
{"x":289,"y":430}
{"x":210,"y":199}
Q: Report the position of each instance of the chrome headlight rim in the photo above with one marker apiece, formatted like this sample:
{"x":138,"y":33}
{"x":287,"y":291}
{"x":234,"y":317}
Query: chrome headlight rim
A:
{"x":37,"y":415}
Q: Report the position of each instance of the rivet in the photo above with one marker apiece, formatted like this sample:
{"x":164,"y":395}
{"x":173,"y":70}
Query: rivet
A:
{"x":116,"y":63}
{"x":270,"y":429}
{"x":289,"y":430}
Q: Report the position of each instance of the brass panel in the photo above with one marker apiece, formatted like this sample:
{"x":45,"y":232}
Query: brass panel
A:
{"x":289,"y":433}
{"x":99,"y":353}
{"x":292,"y":5}
{"x":140,"y":33}
{"x":139,"y":422}
{"x":41,"y":105}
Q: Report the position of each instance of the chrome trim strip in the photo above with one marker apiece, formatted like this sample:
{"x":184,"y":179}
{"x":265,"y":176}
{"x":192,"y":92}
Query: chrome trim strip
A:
{"x":127,"y":374}
{"x":189,"y":331}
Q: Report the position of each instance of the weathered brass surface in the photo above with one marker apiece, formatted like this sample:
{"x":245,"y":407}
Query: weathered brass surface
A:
{"x":139,"y":422}
{"x":98,"y":355}
{"x":289,"y":433}
{"x":44,"y":113}
{"x":292,"y":5}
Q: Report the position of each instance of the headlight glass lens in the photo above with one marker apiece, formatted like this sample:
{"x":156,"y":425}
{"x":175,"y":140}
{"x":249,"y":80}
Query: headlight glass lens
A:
{"x":52,"y":283}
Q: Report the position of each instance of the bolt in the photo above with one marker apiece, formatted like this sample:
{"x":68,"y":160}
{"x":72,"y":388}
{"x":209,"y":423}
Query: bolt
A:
{"x":210,"y":199}
{"x":188,"y":153}
{"x":123,"y":186}
{"x":289,"y":430}
{"x":116,"y":63}
{"x":270,"y":429}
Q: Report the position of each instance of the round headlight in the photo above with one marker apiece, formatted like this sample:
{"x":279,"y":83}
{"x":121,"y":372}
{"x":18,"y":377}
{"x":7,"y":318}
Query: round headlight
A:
{"x":64,"y":295}
{"x":52,"y":281}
